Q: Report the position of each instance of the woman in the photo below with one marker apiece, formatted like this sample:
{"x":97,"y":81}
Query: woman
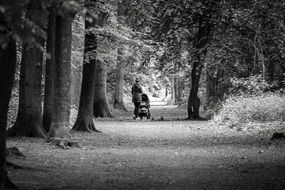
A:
{"x":136,"y":97}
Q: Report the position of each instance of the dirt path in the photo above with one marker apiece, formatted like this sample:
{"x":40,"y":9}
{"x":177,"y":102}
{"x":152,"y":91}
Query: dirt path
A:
{"x":145,"y":154}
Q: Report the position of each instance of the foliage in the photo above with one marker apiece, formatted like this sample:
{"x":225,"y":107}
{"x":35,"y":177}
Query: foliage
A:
{"x":26,"y":20}
{"x":253,"y":85}
{"x":240,"y":111}
{"x":249,"y":41}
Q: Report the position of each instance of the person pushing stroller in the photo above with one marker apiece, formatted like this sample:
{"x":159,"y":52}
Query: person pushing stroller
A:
{"x":136,"y":97}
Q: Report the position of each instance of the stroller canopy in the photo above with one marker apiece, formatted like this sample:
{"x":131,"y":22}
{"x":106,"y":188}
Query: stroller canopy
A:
{"x":145,"y":98}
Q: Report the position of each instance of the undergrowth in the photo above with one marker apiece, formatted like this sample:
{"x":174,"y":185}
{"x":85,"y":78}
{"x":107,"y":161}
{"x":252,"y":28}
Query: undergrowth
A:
{"x":237,"y":111}
{"x":250,"y":105}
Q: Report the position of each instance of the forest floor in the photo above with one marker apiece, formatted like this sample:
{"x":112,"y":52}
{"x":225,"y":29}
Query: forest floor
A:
{"x":151,"y":154}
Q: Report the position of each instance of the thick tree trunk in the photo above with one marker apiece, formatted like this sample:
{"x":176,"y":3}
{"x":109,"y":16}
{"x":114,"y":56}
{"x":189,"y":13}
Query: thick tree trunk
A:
{"x":84,"y":121}
{"x":7,"y":71}
{"x":101,"y":108}
{"x":200,"y":50}
{"x":49,"y":76}
{"x":62,"y":100}
{"x":29,"y":118}
{"x":119,"y":91}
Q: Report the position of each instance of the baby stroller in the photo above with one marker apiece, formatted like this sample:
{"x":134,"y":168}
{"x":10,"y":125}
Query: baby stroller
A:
{"x":144,"y":107}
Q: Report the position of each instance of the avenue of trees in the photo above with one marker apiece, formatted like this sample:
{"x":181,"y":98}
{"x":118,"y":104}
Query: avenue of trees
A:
{"x":183,"y":46}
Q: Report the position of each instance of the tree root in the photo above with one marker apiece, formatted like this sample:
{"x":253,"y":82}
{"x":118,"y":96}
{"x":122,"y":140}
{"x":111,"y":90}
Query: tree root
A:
{"x":14,"y":152}
{"x":64,"y":143}
{"x":85,"y":124}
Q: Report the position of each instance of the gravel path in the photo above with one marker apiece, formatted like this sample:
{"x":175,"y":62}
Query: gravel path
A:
{"x":144,"y":154}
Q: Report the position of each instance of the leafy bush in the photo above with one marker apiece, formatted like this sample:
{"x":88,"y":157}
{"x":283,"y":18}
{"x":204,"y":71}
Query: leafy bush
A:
{"x":239,"y":111}
{"x":253,"y":85}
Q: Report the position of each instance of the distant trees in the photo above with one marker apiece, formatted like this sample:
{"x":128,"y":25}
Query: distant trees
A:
{"x":245,"y":44}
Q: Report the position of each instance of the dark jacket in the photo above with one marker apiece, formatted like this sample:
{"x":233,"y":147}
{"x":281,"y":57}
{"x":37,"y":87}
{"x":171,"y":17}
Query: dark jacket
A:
{"x":136,"y":93}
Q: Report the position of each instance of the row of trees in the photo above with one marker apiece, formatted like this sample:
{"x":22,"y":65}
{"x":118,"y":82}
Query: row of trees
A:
{"x":30,"y":25}
{"x":42,"y":32}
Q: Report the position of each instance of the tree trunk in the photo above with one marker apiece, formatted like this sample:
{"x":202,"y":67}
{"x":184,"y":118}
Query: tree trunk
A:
{"x":172,"y":100}
{"x":166,"y":92}
{"x":200,"y":49}
{"x":7,"y":71}
{"x":29,"y":118}
{"x":77,"y":58}
{"x":101,"y":108}
{"x":62,"y":79}
{"x":119,"y":88}
{"x":84,"y":121}
{"x":178,"y":89}
{"x":193,"y":100}
{"x":49,"y":76}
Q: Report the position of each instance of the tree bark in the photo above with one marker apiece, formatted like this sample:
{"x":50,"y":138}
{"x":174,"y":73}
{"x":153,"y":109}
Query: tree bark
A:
{"x":100,"y":105}
{"x":7,"y":71}
{"x":119,"y":88}
{"x":29,"y":118}
{"x":77,"y":58}
{"x":49,"y":75}
{"x":84,"y":121}
{"x":101,"y":108}
{"x":172,"y":100}
{"x":193,"y":100}
{"x":62,"y":100}
{"x":200,"y":49}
